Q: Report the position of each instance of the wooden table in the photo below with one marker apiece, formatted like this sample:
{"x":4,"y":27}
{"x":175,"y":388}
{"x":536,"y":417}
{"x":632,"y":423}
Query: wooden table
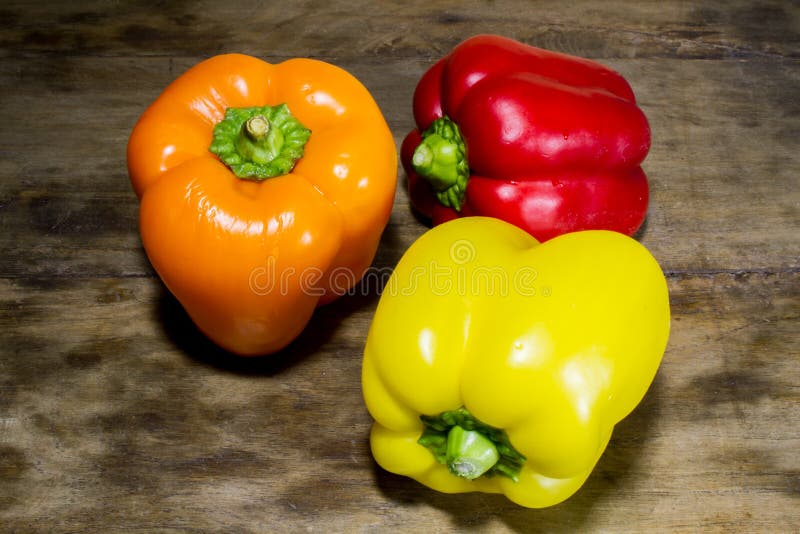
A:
{"x":116,"y":415}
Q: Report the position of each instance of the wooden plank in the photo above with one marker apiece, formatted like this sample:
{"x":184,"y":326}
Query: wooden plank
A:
{"x":115,"y":411}
{"x":337,"y":29}
{"x":719,"y":203}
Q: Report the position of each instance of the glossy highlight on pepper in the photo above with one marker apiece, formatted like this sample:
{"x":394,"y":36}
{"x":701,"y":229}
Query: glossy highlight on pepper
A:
{"x":479,"y":379}
{"x":258,"y":182}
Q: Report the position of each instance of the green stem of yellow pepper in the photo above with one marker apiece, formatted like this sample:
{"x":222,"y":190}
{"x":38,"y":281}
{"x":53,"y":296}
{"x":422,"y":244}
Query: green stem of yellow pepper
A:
{"x":469,"y":453}
{"x":469,"y":447}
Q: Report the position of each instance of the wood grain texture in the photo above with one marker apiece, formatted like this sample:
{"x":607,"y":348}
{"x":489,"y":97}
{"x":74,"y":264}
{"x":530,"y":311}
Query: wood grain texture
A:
{"x":116,"y":414}
{"x":691,"y":29}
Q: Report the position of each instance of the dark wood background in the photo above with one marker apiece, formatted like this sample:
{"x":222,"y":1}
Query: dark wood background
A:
{"x":116,"y":415}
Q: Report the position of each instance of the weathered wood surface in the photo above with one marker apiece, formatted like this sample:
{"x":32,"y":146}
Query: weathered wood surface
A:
{"x":115,"y":414}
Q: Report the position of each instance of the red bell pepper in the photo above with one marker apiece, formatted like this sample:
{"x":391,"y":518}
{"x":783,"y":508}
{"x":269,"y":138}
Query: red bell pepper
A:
{"x":549,"y":142}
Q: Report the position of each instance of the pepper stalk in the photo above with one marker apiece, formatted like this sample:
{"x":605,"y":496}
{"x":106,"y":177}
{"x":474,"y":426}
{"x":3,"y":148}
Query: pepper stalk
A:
{"x":259,"y":142}
{"x":441,"y":159}
{"x":469,"y":447}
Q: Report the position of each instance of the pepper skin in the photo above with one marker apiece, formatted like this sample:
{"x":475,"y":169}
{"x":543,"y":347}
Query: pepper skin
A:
{"x":549,"y":142}
{"x":485,"y":339}
{"x":251,"y":253}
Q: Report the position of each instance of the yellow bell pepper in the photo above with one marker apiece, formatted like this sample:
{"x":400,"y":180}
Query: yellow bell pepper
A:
{"x":498,"y":364}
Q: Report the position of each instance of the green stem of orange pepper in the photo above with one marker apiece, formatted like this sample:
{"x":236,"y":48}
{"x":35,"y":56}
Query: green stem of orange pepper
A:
{"x":261,"y":142}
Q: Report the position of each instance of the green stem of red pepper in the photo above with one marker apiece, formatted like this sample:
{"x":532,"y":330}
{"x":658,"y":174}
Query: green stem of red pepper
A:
{"x":469,"y":447}
{"x":441,"y":159}
{"x":260,"y":142}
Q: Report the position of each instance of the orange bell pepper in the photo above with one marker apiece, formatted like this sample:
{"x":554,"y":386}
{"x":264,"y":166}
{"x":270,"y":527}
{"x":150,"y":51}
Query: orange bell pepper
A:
{"x":264,"y":191}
